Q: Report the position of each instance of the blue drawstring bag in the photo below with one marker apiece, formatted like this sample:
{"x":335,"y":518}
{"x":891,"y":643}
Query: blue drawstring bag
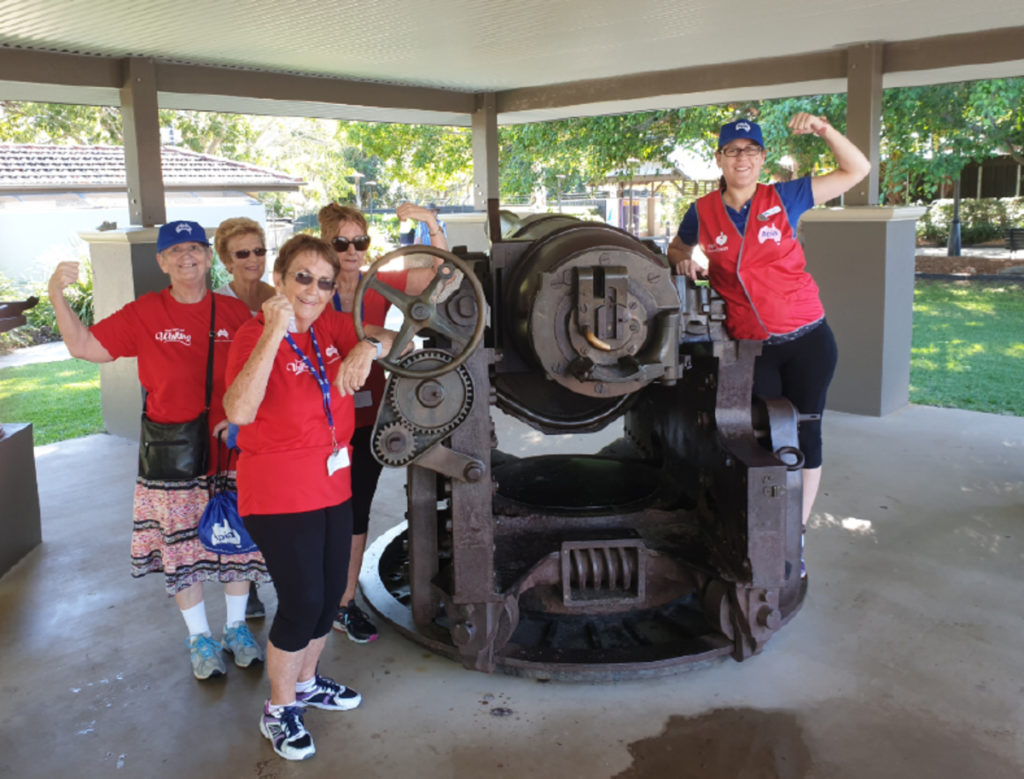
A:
{"x":221,"y":529}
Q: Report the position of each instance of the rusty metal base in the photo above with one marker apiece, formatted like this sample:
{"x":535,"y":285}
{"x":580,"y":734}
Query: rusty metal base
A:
{"x":643,"y":644}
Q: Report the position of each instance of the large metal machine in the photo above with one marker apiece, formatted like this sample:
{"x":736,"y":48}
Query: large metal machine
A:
{"x":677,"y":543}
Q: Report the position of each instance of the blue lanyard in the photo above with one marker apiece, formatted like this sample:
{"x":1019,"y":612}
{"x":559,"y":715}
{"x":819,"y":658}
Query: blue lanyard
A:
{"x":362,"y":308}
{"x":320,"y":376}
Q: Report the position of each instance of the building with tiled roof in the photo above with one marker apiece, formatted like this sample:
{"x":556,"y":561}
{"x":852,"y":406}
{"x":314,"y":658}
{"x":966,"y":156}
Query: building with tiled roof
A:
{"x":50,"y":195}
{"x":30,"y":168}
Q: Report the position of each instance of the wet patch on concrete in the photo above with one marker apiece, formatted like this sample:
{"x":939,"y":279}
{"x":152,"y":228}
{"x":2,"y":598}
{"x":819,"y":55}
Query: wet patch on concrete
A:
{"x":839,"y":740}
{"x":726,"y":744}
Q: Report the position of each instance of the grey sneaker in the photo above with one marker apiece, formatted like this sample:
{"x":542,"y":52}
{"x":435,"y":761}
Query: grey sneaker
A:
{"x":239,"y":641}
{"x":205,"y":656}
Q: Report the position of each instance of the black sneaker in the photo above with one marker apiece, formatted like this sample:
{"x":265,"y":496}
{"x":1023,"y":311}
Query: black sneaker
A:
{"x":254,"y":608}
{"x":353,"y":620}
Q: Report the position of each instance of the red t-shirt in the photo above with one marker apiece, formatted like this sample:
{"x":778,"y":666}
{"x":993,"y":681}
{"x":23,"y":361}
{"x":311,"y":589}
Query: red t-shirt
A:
{"x":375,"y":310}
{"x":171,"y":341}
{"x":282,"y":468}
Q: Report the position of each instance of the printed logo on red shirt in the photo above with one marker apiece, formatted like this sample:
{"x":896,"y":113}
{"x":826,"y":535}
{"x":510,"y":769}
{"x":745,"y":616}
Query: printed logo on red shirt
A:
{"x":769,"y":233}
{"x":720,"y":244}
{"x":298,"y":367}
{"x":174,"y":335}
{"x":332,"y":353}
{"x":223,"y":334}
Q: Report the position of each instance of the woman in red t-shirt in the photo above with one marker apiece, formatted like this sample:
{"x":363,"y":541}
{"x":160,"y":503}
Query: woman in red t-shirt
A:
{"x":346,"y":229}
{"x":292,"y":372}
{"x":169,"y":333}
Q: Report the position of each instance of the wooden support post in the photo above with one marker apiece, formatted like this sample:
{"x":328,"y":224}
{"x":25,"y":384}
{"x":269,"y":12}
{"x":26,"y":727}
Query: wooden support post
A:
{"x":141,"y":119}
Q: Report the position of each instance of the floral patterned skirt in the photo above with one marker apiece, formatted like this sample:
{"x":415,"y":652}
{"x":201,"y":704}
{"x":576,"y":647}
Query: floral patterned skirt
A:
{"x":164,"y":537}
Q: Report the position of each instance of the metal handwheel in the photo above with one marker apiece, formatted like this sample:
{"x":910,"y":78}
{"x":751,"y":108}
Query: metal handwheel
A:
{"x":429,"y":311}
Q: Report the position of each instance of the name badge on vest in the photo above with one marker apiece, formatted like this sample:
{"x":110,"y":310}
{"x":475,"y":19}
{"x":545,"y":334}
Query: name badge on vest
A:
{"x":764,"y":216}
{"x":337,"y":460}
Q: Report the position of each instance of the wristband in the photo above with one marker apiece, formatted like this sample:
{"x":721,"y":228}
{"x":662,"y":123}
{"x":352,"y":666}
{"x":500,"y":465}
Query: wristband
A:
{"x":380,"y":347}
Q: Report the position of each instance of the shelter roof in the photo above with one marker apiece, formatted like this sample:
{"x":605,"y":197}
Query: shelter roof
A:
{"x":29,"y":168}
{"x":414,"y":61}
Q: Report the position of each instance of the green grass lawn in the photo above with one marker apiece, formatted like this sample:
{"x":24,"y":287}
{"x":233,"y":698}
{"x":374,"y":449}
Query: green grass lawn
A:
{"x":60,"y":399}
{"x":968,"y":346}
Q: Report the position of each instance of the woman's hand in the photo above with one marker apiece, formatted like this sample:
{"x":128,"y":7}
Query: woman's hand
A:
{"x":355,"y":368}
{"x":277,"y":314}
{"x":805,"y":124}
{"x":419,"y":213}
{"x":691,"y":269}
{"x":220,"y":430}
{"x":64,"y":275}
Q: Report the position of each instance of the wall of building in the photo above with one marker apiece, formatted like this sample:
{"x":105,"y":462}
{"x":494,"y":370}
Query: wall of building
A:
{"x":38,"y":231}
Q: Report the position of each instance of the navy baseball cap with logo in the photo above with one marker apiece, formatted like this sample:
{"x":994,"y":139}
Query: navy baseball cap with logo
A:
{"x":180,"y":232}
{"x":741,"y":129}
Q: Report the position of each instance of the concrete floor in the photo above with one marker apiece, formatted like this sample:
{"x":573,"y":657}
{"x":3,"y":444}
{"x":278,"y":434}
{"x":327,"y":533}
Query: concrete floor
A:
{"x":906,"y":660}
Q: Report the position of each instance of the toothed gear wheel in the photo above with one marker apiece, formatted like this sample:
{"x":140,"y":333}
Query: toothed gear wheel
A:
{"x":395,"y":444}
{"x":431,"y":406}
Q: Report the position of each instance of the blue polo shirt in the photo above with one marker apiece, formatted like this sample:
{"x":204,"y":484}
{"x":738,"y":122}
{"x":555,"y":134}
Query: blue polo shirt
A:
{"x":796,"y":197}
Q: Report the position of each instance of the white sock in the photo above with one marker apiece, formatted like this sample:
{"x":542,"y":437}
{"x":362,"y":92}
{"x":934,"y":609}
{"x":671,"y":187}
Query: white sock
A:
{"x":236,"y":608}
{"x":275,"y":711}
{"x":195,"y":619}
{"x":307,"y":686}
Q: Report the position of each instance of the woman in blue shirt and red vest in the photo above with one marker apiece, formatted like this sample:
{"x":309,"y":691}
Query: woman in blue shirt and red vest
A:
{"x":747,"y":231}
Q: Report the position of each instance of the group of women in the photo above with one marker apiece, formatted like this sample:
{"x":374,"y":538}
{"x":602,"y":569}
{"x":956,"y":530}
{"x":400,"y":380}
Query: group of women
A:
{"x":288,"y":371}
{"x":303,"y":391}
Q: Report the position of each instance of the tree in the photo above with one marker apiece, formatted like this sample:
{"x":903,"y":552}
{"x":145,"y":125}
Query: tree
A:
{"x":54,"y":123}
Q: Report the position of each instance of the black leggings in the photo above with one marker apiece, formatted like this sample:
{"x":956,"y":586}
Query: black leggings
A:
{"x":307,"y":557}
{"x":365,"y":474}
{"x":800,"y":370}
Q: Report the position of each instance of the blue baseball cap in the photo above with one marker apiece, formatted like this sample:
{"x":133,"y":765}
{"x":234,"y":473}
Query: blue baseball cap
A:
{"x":180,"y":232}
{"x":740,"y":129}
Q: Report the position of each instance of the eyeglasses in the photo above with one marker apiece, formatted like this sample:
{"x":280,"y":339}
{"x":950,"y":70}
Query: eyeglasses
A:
{"x":746,"y":151}
{"x":305,"y":278}
{"x":361,"y":242}
{"x":243,"y":254}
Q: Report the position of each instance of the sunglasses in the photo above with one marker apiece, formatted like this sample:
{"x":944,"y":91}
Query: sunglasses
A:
{"x":243,"y":254}
{"x":305,"y":278}
{"x":361,"y":242}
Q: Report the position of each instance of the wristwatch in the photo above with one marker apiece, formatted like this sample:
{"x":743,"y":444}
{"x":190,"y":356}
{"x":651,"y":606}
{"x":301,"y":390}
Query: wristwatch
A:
{"x":380,"y":347}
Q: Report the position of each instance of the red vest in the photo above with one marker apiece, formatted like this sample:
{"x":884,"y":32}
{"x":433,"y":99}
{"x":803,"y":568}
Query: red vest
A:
{"x":760,"y":274}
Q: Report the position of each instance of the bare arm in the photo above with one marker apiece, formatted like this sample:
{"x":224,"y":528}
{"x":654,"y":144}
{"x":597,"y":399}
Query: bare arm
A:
{"x":243,"y":398}
{"x":80,"y":342}
{"x":355,"y":368}
{"x":419,"y":278}
{"x":853,"y":166}
{"x":680,"y":257}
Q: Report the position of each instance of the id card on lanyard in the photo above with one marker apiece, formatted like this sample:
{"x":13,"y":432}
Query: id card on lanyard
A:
{"x":338,"y":458}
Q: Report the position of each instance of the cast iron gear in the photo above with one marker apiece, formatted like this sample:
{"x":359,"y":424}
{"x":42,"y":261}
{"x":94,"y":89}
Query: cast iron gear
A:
{"x":395,"y":444}
{"x":431,"y":406}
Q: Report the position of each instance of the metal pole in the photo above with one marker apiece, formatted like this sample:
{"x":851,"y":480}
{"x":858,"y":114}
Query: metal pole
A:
{"x":359,"y":200}
{"x":953,"y":247}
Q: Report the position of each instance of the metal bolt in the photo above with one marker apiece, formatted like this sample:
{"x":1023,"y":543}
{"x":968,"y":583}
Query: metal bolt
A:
{"x":463,"y":632}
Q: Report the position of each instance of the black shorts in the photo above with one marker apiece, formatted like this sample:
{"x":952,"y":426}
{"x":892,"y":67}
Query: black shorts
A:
{"x":307,"y":557}
{"x":800,"y":371}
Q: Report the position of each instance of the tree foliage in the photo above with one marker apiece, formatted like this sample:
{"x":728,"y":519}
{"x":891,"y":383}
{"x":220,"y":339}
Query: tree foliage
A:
{"x":929,"y":134}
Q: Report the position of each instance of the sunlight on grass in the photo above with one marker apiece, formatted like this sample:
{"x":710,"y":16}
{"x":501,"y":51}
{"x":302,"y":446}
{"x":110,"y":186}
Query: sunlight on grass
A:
{"x":966,"y":350}
{"x":60,"y":399}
